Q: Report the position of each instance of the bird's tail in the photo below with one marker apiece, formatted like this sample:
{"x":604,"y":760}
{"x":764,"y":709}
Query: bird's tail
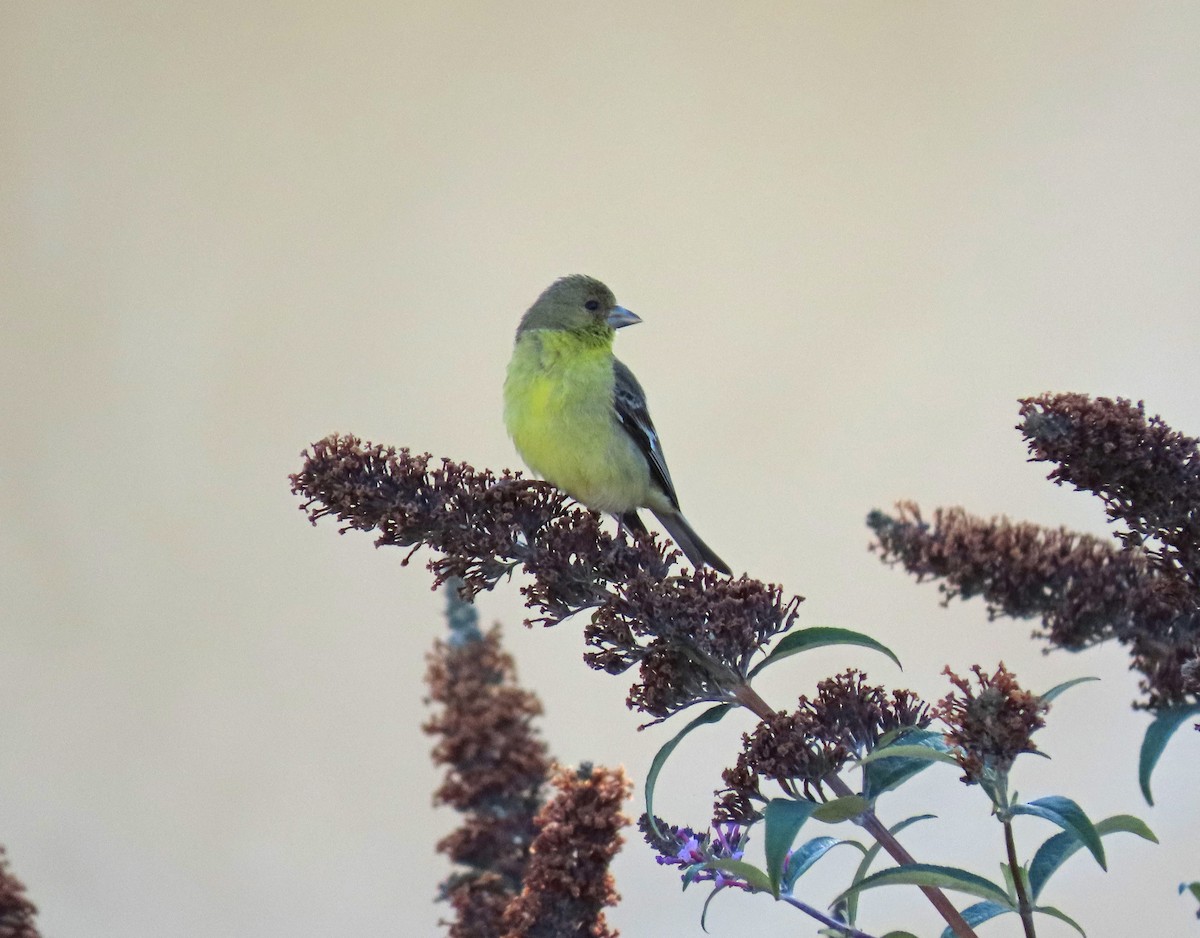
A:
{"x":689,"y":542}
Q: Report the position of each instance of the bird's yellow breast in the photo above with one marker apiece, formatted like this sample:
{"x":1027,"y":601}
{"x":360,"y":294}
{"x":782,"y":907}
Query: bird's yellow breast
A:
{"x":558,"y":407}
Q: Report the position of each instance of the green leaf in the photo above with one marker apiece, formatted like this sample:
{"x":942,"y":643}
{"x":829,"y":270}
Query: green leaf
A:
{"x":712,"y":715}
{"x":869,"y":858}
{"x":804,"y":856}
{"x":977,"y":914}
{"x":784,"y":818}
{"x":1157,"y":735}
{"x":886,"y":773}
{"x":1126,"y":824}
{"x":818,"y":637}
{"x":841,"y":809}
{"x":1061,"y":916}
{"x":1010,"y":885}
{"x":1057,"y":849}
{"x":926,"y":874}
{"x":1193,"y":888}
{"x":751,"y":874}
{"x":1065,"y":685}
{"x":1070,"y":817}
{"x":908,"y":751}
{"x":704,"y":911}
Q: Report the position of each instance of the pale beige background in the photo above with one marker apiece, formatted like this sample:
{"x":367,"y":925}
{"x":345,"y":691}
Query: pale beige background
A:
{"x":856,"y":233}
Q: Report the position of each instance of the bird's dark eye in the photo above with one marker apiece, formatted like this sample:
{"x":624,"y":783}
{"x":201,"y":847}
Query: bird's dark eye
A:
{"x":592,"y":305}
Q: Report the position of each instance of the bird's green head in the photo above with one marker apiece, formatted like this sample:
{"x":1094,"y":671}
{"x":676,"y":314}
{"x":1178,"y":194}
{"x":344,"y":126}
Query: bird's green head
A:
{"x":577,"y":304}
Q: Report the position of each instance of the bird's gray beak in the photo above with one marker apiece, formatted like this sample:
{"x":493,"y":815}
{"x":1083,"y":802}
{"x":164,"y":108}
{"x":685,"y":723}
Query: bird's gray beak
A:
{"x":621,"y":317}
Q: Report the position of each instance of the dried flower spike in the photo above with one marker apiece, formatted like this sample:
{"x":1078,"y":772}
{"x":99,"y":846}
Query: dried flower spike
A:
{"x":496,"y":766}
{"x":1083,"y":589}
{"x":693,"y":638}
{"x":567,"y":883}
{"x":1147,"y":473}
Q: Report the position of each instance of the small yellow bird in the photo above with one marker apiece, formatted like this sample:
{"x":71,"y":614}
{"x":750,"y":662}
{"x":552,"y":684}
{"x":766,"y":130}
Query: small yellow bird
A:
{"x":578,"y":416}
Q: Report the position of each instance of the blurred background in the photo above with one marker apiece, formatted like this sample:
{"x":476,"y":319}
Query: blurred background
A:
{"x":856,"y":234}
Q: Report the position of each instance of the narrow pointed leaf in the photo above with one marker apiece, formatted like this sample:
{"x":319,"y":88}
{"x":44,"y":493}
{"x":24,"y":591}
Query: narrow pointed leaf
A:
{"x":1009,"y":884}
{"x":712,"y":715}
{"x":1061,"y":916}
{"x":818,"y":637}
{"x":704,"y":911}
{"x":885,"y":774}
{"x":869,"y":858}
{"x":1059,"y":848}
{"x":1070,"y":817}
{"x":927,"y":874}
{"x":804,"y":856}
{"x":1155,"y":741}
{"x":841,"y":809}
{"x":783,"y":818}
{"x":908,"y":751}
{"x":977,"y":914}
{"x":1064,"y":686}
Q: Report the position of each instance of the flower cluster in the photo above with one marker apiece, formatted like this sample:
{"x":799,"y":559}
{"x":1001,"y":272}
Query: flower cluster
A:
{"x":16,"y":911}
{"x":692,"y":637}
{"x":857,"y":714}
{"x":991,"y":726}
{"x":799,"y":750}
{"x":567,"y":882}
{"x":694,"y":854}
{"x":784,"y":747}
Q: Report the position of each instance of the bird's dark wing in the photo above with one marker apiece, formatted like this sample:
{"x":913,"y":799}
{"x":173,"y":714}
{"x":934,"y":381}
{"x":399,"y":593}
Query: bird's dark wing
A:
{"x":630,"y":402}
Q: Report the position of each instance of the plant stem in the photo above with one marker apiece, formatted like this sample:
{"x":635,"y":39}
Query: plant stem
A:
{"x":1023,"y":904}
{"x":748,"y":698}
{"x":825,"y":919}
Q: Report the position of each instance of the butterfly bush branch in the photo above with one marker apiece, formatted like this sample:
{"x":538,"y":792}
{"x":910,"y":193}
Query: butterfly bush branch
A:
{"x":693,"y":638}
{"x":988,"y":727}
{"x":803,"y":752}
